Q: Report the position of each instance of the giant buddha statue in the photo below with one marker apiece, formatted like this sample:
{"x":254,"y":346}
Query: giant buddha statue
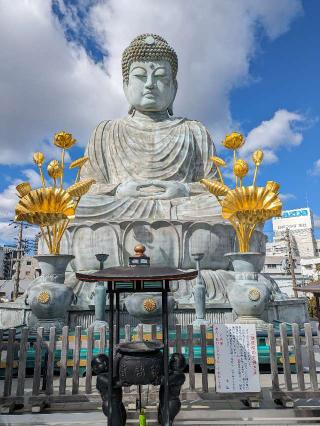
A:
{"x":148,"y":165}
{"x":147,"y":168}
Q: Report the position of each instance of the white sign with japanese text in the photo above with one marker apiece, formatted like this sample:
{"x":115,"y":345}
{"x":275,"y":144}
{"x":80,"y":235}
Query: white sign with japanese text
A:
{"x":236,"y":358}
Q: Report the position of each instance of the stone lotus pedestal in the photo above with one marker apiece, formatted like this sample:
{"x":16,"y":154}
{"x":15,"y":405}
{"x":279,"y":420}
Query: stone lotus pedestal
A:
{"x":248,"y":296}
{"x":50,"y":298}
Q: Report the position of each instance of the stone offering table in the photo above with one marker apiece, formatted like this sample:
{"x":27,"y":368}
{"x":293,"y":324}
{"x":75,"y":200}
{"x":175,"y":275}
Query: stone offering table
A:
{"x":137,"y":279}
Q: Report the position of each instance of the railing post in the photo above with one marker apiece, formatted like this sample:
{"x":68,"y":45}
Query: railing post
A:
{"x":64,"y":360}
{"x":9,"y":363}
{"x":204,"y":367}
{"x":76,"y":360}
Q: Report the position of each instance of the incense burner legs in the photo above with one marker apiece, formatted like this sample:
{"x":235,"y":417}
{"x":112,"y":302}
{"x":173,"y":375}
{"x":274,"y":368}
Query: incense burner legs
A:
{"x":177,"y":378}
{"x":139,"y":363}
{"x":248,"y":296}
{"x":50,"y":298}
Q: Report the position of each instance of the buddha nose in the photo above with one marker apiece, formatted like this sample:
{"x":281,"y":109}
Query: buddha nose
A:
{"x":149,"y":82}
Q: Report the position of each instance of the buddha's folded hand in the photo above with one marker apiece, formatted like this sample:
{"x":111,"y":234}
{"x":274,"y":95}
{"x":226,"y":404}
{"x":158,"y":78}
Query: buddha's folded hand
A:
{"x":153,"y":190}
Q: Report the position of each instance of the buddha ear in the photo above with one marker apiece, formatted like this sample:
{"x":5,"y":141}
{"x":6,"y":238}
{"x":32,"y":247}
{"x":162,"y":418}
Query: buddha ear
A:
{"x":125,"y":89}
{"x":170,"y":107}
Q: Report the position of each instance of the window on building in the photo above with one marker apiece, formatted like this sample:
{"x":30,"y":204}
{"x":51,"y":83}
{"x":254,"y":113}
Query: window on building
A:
{"x":271,"y":266}
{"x":28,"y":262}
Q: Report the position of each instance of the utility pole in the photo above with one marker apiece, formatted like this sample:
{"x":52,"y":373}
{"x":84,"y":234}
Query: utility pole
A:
{"x":18,"y":261}
{"x":291,"y":262}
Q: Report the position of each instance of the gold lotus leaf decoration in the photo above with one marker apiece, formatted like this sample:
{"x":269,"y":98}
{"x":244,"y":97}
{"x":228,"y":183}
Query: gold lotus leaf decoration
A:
{"x":219,"y":162}
{"x":23,"y":188}
{"x":52,"y":207}
{"x":79,"y":162}
{"x":63,"y":140}
{"x":215,"y":187}
{"x":45,"y":206}
{"x":244,"y":206}
{"x":150,"y":304}
{"x":233,"y":141}
{"x":80,"y":188}
{"x":54,"y":169}
{"x":273,"y":186}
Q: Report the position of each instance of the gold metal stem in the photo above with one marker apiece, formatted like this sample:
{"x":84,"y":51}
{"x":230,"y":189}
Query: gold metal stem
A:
{"x":54,"y":232}
{"x":42,"y":177}
{"x":45,"y":237}
{"x":62,"y":165}
{"x":220,"y":175}
{"x":251,"y":232}
{"x":78,"y":175}
{"x":255,"y":176}
{"x":234,"y":160}
{"x":61,"y":231}
{"x":50,"y":240}
{"x":241,"y":182}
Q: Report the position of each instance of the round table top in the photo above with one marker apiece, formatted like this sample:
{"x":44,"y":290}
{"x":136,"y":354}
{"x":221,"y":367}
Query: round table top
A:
{"x":310,"y":288}
{"x":132,"y":273}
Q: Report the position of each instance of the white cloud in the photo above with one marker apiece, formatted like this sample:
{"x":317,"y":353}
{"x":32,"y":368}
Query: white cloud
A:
{"x":8,"y":200}
{"x":9,"y":197}
{"x":48,"y":84}
{"x":316,"y":168}
{"x":287,"y":196}
{"x":271,"y":135}
{"x":9,"y":233}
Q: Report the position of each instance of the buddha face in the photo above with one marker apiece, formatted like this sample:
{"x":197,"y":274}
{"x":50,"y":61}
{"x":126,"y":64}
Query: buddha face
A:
{"x":151,"y":87}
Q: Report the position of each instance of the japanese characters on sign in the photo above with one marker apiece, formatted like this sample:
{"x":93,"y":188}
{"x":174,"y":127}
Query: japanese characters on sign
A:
{"x":236,"y":358}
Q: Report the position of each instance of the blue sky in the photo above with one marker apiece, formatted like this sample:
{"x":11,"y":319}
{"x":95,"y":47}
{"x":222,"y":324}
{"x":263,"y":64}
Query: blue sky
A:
{"x":250,"y":65}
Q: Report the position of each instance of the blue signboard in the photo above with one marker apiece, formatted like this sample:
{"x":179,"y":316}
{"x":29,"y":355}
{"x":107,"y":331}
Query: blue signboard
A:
{"x":295,"y":213}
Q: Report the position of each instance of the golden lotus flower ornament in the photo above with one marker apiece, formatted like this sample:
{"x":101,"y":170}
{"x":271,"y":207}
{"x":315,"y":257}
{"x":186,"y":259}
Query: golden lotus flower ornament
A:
{"x":38,"y":158}
{"x":257,"y":157}
{"x":240,"y":168}
{"x":233,"y":141}
{"x":244,"y":206}
{"x":54,"y":169}
{"x":52,"y":207}
{"x":63,"y":140}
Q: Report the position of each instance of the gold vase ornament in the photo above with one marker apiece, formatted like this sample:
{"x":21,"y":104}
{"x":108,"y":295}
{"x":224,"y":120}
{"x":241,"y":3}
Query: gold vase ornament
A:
{"x":52,"y":207}
{"x":244,"y":207}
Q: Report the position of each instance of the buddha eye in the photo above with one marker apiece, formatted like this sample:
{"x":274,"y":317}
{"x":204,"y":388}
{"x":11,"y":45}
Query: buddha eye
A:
{"x":139,"y":73}
{"x":160,"y":74}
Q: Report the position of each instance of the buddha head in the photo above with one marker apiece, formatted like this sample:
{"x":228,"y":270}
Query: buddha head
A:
{"x":149,"y":70}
